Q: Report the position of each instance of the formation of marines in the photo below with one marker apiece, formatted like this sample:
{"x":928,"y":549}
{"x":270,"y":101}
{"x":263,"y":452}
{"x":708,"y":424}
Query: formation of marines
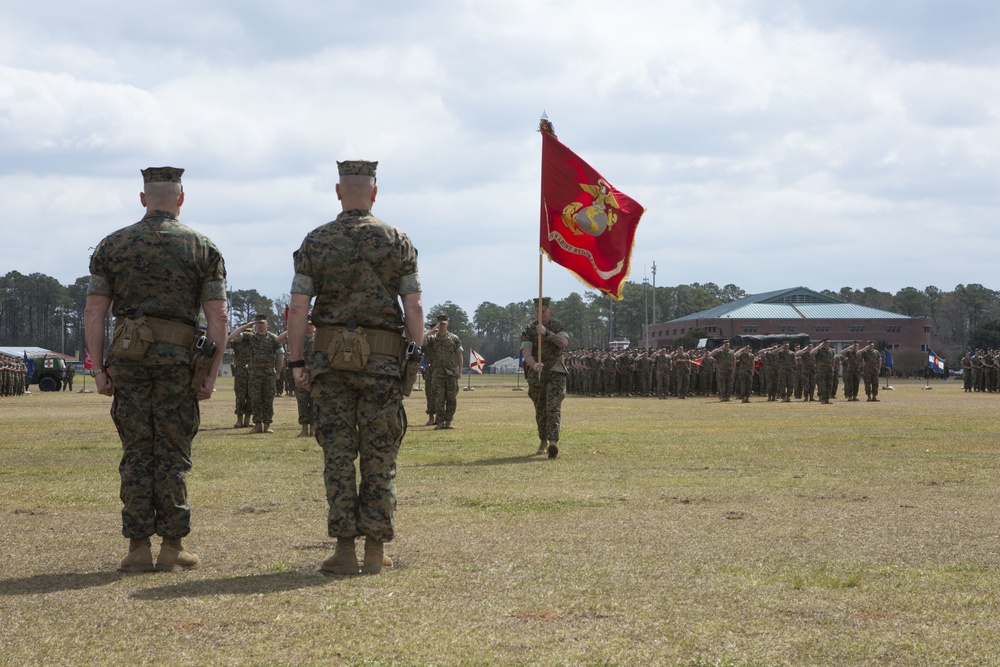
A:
{"x":13,"y":374}
{"x":780,"y":372}
{"x":981,"y":370}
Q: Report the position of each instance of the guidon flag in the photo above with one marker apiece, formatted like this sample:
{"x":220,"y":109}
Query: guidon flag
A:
{"x":934,"y":362}
{"x":476,"y":362}
{"x":587,"y":225}
{"x":88,"y":361}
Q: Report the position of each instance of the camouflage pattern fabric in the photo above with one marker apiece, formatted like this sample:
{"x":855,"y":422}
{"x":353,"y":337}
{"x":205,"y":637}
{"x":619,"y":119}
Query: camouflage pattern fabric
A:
{"x":548,"y":388}
{"x":358,"y":414}
{"x":241,"y":376}
{"x":871,"y":363}
{"x":442,"y":350}
{"x":157,"y":417}
{"x":264,"y":350}
{"x":303,"y":397}
{"x":825,"y":373}
{"x":165,"y":269}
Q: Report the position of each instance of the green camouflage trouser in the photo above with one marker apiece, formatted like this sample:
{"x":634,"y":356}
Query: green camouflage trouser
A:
{"x":262,"y":394}
{"x":241,"y":385}
{"x":444,"y":389}
{"x":157,"y":416}
{"x":304,"y":402}
{"x":359,"y":415}
{"x":547,"y":392}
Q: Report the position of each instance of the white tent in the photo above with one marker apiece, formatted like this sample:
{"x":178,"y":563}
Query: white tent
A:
{"x":507,"y":365}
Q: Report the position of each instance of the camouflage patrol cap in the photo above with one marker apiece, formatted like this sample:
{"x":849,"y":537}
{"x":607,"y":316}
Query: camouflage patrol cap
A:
{"x":442,"y":318}
{"x":162,"y":175}
{"x":260,"y":317}
{"x":546,"y":302}
{"x":357,"y":168}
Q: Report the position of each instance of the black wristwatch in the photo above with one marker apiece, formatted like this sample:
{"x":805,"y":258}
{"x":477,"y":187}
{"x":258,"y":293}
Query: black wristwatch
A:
{"x":300,"y":363}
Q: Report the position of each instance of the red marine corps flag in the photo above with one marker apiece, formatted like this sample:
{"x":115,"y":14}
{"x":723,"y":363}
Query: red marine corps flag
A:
{"x":587,"y":225}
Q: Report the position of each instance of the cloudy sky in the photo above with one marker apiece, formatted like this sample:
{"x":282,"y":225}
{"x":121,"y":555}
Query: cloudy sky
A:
{"x":774,"y":143}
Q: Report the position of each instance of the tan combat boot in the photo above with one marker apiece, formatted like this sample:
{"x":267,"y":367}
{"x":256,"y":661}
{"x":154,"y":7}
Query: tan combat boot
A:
{"x":375,"y":558}
{"x":139,"y":558}
{"x":239,"y":421}
{"x":344,"y":560}
{"x":247,"y":420}
{"x":430,"y":421}
{"x":256,"y":428}
{"x":267,"y":428}
{"x":542,"y":446}
{"x":173,"y":558}
{"x":304,"y":433}
{"x":553,"y":450}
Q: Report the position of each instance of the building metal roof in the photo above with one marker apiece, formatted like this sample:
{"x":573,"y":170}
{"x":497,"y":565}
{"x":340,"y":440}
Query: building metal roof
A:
{"x":794,"y":303}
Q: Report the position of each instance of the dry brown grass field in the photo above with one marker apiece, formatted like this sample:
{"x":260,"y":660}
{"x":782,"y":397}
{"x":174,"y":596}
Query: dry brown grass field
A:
{"x":689,"y":533}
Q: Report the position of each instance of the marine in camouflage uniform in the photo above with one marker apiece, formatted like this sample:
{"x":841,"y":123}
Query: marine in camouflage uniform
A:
{"x":165,"y":272}
{"x":807,"y":372}
{"x":546,"y":378}
{"x":744,"y":373}
{"x":303,"y":396}
{"x":825,"y":358}
{"x":357,"y":267}
{"x":444,"y":352}
{"x":725,"y":366}
{"x":871,"y":364}
{"x":266,"y":358}
{"x":425,"y":372}
{"x":851,"y":363}
{"x":241,"y":376}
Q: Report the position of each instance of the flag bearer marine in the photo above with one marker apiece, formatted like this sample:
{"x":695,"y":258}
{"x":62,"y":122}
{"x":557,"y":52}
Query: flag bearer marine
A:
{"x":546,"y":375}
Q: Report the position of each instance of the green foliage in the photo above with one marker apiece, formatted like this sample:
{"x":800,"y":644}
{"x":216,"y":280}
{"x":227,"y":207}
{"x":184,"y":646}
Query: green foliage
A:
{"x":986,"y":336}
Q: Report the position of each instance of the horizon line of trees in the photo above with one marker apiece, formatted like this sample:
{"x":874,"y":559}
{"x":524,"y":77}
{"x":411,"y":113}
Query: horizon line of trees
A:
{"x":37,"y":311}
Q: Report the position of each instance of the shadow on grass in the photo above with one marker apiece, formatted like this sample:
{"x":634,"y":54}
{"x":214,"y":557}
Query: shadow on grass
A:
{"x":507,"y":460}
{"x":251,"y":584}
{"x":52,"y":583}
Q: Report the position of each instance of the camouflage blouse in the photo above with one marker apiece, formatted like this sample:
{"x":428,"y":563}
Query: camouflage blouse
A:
{"x":163,"y":268}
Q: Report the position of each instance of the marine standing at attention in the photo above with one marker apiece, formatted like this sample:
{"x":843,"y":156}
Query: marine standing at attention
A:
{"x":155,"y":276}
{"x":443,"y":350}
{"x":266,"y":359}
{"x":546,"y":378}
{"x":357,"y":268}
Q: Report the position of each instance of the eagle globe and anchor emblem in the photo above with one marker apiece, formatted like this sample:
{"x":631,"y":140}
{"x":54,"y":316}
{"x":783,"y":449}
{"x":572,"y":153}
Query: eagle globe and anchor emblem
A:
{"x":596,"y":218}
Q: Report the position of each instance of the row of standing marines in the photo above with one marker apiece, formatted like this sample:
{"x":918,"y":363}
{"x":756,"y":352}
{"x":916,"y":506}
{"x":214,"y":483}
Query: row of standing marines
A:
{"x":779,"y":372}
{"x":354,"y":320}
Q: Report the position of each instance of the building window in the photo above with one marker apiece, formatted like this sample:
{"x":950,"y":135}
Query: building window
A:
{"x":927,"y":329}
{"x":751,"y":328}
{"x":786,"y":328}
{"x":822,"y":328}
{"x":856,"y":328}
{"x":675,"y":332}
{"x":892,"y":328}
{"x":923,"y":347}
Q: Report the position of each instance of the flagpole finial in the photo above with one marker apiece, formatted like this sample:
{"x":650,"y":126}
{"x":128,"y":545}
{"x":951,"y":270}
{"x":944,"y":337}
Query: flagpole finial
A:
{"x":545,"y":125}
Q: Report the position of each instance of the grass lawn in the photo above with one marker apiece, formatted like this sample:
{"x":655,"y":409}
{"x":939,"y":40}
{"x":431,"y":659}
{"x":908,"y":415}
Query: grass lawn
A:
{"x":688,"y":533}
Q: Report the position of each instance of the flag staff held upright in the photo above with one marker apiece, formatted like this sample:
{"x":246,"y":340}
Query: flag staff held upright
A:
{"x":544,"y":125}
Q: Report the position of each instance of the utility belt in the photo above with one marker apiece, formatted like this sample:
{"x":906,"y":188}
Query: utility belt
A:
{"x":382,"y":343}
{"x":167,"y":331}
{"x":134,"y":333}
{"x":262,"y":365}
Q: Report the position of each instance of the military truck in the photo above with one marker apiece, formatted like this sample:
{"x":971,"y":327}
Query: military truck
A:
{"x":47,"y":372}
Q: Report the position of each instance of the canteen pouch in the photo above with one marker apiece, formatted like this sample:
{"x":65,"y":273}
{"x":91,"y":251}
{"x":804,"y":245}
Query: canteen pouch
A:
{"x":201,"y":361}
{"x":131,"y":338}
{"x":409,"y":368}
{"x":348,"y":350}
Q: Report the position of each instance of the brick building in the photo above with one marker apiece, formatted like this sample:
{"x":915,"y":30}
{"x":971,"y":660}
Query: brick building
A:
{"x":798,"y":310}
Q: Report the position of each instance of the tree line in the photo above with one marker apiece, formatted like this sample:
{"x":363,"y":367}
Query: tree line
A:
{"x":36,"y":310}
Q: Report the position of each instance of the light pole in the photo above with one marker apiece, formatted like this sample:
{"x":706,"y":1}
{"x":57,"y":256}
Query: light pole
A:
{"x":645,"y":296}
